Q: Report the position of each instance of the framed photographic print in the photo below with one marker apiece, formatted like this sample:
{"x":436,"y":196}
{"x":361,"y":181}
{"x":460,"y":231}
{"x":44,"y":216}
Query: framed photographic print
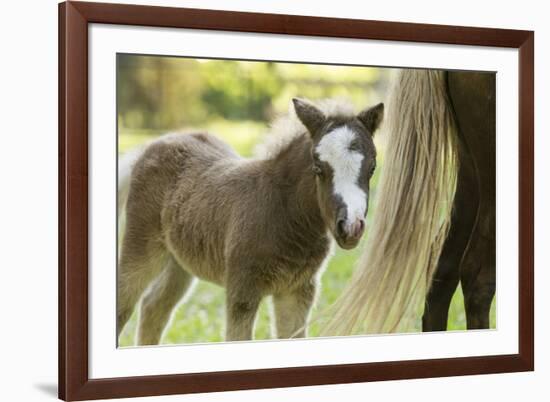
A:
{"x":260,"y":200}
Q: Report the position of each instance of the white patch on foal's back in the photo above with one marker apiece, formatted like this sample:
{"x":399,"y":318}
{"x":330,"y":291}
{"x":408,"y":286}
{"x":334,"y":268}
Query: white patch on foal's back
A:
{"x":346,"y":165}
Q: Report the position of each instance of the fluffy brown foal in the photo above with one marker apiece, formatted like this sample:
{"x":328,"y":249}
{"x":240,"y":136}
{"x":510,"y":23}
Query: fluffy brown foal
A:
{"x":257,"y":227}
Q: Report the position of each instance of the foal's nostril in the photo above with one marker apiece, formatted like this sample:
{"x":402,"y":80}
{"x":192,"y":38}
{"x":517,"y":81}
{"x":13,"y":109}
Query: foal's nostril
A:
{"x":341,"y":227}
{"x":361,"y":226}
{"x":348,"y":230}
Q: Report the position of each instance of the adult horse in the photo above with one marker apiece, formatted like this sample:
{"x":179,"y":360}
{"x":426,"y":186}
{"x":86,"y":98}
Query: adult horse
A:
{"x":435,"y":222}
{"x":257,"y":227}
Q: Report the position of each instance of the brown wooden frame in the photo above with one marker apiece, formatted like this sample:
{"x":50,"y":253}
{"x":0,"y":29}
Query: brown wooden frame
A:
{"x":74,"y":17}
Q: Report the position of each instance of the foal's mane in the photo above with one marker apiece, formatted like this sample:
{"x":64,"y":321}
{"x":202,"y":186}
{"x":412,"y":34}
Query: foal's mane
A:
{"x":288,"y":127}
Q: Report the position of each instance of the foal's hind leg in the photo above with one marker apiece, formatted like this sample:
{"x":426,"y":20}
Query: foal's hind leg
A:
{"x":142,"y":256}
{"x":135,"y":273}
{"x":292,"y":311}
{"x":159,"y":301}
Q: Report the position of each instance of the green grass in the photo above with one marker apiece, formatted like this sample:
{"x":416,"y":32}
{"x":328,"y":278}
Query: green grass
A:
{"x":201,"y":317}
{"x":242,"y":135}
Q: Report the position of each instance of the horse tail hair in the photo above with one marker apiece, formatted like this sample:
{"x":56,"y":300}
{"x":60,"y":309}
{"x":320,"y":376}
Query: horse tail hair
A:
{"x":413,"y":213}
{"x":125,"y":166}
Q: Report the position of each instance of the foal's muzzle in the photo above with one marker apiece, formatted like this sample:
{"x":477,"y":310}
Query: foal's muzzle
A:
{"x":349,"y":232}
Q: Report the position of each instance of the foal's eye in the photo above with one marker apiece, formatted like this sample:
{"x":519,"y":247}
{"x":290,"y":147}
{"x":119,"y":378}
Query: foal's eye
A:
{"x":317,"y":170}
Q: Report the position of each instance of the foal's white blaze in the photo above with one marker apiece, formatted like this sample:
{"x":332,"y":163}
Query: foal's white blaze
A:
{"x":346,"y":165}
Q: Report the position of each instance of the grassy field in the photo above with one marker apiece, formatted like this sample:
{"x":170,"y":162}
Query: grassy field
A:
{"x":201,"y":317}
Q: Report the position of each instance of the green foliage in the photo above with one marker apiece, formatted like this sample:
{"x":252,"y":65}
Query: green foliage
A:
{"x":235,"y":100}
{"x":157,"y":92}
{"x":242,"y":90}
{"x":167,"y":93}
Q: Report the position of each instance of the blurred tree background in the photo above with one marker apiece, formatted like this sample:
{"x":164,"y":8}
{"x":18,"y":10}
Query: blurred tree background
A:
{"x":236,"y":100}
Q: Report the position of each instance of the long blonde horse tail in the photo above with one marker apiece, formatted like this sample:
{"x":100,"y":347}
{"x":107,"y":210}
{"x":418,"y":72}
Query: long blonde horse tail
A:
{"x":413,"y":211}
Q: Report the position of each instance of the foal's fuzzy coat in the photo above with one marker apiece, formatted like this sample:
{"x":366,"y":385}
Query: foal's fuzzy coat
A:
{"x":256,"y":227}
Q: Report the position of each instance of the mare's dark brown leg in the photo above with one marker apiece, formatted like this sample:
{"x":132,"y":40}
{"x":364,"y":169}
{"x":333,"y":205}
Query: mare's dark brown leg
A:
{"x":478,"y":274}
{"x":447,"y":274}
{"x":473,"y":98}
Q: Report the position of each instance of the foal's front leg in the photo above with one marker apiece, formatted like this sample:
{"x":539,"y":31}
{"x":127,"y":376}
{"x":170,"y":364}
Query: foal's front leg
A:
{"x":242,"y":302}
{"x":292,"y":311}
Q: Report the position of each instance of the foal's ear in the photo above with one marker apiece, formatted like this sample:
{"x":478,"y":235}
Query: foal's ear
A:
{"x":311,"y":116}
{"x":372,"y":117}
